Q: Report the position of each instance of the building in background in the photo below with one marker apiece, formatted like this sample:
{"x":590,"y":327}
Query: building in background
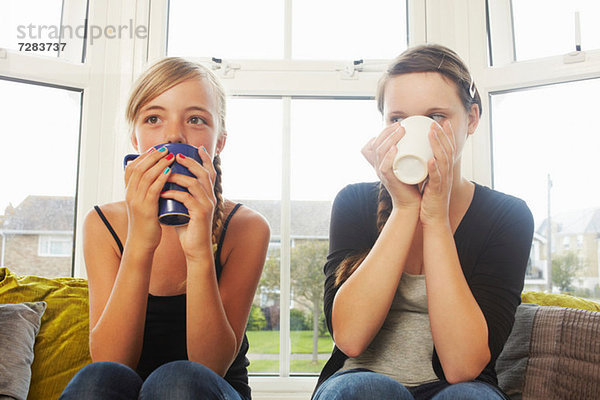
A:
{"x":37,"y":236}
{"x":576,"y":233}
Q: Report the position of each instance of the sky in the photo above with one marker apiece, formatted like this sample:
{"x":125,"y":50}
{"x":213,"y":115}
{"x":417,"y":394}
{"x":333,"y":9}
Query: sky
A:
{"x":551,"y":130}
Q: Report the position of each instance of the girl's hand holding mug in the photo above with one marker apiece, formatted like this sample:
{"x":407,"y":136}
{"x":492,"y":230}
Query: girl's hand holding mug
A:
{"x":380,"y":152}
{"x":144,"y":181}
{"x":436,"y":194}
{"x":199,"y":200}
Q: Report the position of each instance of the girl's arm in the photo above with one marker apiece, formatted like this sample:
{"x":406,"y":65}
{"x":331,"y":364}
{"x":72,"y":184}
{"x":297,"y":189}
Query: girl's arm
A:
{"x":118,"y":284}
{"x":458,"y":326}
{"x":363,"y":301}
{"x":217,"y":312}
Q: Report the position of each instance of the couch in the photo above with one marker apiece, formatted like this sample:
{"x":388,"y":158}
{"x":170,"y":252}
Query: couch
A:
{"x":553,"y":351}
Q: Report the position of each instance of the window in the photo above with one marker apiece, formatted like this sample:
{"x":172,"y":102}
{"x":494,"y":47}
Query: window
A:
{"x":245,"y":33}
{"x":561,"y":28}
{"x":545,"y":144}
{"x":554,"y":32}
{"x":317,"y":174}
{"x":340,"y":30}
{"x":55,"y":246}
{"x":50,"y":28}
{"x":41,"y":142}
{"x":337,"y":31}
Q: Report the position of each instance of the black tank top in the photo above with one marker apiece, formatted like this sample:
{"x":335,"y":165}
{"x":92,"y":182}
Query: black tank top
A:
{"x":165,"y":331}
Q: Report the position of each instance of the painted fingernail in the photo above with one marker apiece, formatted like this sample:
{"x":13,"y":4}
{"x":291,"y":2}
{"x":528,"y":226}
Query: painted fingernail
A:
{"x":169,"y":157}
{"x":162,"y":149}
{"x":182,"y":156}
{"x":204,"y":148}
{"x":151,"y":150}
{"x":166,"y":171}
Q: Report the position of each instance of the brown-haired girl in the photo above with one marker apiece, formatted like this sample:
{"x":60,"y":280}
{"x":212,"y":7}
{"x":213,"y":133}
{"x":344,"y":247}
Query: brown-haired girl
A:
{"x":169,"y":305}
{"x":422,"y":281}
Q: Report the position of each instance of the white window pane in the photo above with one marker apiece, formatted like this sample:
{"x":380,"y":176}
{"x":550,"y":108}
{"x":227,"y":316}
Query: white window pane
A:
{"x":39,"y":163}
{"x":251,"y":163}
{"x":545,"y":28}
{"x":553,"y":130}
{"x":327,"y":136}
{"x":43,"y":28}
{"x":338,"y":29}
{"x":226,"y":29}
{"x":253,"y":149}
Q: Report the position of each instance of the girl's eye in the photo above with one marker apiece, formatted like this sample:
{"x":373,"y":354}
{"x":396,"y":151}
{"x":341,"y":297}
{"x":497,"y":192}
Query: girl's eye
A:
{"x":153,"y":119}
{"x":393,"y":120}
{"x":197,"y":121}
{"x":437,"y":117}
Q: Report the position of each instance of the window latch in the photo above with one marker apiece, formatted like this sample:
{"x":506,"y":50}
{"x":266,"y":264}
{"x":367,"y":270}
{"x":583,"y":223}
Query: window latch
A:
{"x":225,"y":69}
{"x":351,"y":70}
{"x":578,"y":55}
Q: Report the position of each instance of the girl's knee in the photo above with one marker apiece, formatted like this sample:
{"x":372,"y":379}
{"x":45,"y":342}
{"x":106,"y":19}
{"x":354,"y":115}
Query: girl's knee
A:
{"x":358,"y":384}
{"x":103,"y":378}
{"x":182,"y":370}
{"x":183,"y":380}
{"x":469,"y":391}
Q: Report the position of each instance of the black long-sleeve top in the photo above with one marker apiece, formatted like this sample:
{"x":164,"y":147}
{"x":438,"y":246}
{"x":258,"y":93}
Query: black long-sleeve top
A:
{"x":493,"y":243}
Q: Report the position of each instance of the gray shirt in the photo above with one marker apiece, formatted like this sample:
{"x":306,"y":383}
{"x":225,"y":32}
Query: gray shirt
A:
{"x":403,"y":347}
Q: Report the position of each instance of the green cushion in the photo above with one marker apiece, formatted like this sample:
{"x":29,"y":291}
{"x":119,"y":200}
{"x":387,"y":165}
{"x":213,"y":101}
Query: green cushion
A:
{"x":61,"y":347}
{"x":559,"y":300}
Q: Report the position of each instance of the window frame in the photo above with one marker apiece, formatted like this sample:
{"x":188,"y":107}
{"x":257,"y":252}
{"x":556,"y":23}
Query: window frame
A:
{"x":507,"y":75}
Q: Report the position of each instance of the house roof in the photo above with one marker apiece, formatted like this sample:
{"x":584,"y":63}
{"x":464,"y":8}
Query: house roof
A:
{"x":575,"y":222}
{"x":54,"y":213}
{"x":40,"y":213}
{"x":308,"y":218}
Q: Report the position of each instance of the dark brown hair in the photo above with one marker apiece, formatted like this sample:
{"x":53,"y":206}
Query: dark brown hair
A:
{"x":424,"y":58}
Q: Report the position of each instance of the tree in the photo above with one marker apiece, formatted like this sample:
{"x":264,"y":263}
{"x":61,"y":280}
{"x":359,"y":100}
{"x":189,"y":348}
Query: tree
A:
{"x":308,"y":257}
{"x":270,"y":277}
{"x":256,"y":319}
{"x":564,"y":269}
{"x":307,"y":260}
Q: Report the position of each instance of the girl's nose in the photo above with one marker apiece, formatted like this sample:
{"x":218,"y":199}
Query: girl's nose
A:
{"x":174,"y":134}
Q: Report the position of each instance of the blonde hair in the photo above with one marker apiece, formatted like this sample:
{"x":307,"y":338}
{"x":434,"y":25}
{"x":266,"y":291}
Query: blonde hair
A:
{"x":161,"y":77}
{"x":424,"y":58}
{"x":165,"y":74}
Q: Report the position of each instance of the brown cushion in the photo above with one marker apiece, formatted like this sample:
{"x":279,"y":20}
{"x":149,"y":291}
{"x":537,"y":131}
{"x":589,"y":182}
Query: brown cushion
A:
{"x":564,"y":360}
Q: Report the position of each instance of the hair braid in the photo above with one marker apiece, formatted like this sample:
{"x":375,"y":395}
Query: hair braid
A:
{"x":351,"y":263}
{"x":217,"y":224}
{"x":384,"y":207}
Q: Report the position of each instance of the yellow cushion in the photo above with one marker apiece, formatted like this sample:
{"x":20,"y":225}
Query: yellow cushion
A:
{"x":559,"y":300}
{"x":61,"y":347}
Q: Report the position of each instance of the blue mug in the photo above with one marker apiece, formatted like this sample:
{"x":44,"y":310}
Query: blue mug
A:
{"x":170,"y":211}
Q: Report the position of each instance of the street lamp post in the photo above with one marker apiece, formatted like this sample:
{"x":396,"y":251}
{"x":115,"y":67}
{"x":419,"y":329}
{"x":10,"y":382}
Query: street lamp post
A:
{"x":549,"y":239}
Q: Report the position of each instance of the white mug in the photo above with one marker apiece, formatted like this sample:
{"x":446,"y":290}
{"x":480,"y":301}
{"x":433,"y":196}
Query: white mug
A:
{"x":414,"y":150}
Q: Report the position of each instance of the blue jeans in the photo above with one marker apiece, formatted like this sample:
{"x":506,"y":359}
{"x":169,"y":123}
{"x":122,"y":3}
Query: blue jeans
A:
{"x":361,"y":384}
{"x":177,"y":380}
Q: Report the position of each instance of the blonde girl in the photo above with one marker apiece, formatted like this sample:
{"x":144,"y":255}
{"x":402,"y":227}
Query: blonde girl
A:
{"x":168,"y":306}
